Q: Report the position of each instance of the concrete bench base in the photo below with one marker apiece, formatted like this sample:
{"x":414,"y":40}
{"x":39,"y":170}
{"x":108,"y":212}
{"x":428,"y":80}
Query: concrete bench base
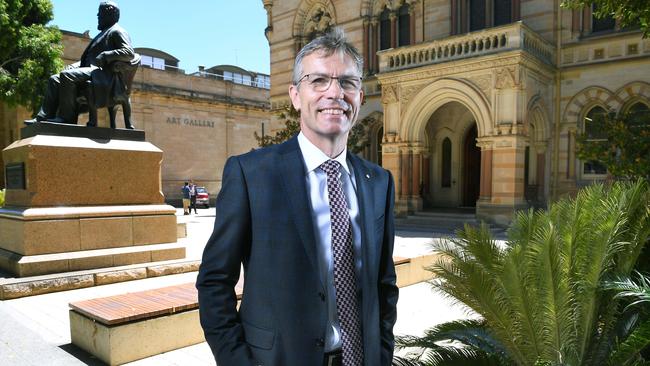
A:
{"x":122,"y":343}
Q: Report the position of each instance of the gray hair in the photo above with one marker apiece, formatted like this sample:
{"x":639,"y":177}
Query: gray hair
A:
{"x":332,"y":42}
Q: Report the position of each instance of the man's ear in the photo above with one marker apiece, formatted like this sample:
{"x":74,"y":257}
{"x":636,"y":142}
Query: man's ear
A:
{"x":295,"y":97}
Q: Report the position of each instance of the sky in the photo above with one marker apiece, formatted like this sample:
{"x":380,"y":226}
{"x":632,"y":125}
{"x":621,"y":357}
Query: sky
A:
{"x":197,"y":32}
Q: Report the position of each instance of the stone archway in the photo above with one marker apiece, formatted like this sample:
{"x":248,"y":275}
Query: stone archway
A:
{"x":435,"y":95}
{"x":411,"y":154}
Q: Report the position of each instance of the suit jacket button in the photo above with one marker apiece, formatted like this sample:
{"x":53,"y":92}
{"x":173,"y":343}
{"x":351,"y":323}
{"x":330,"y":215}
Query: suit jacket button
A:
{"x":320,"y":342}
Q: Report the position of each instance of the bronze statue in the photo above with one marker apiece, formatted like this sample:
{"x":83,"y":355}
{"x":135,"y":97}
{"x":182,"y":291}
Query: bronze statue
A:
{"x":102,"y":78}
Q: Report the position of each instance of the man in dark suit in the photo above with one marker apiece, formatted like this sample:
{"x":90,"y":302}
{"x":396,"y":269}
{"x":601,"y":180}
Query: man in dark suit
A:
{"x":111,"y":44}
{"x":312,"y":225}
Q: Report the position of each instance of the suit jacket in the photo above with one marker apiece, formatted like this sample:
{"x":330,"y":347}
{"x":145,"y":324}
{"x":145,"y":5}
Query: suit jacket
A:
{"x":115,"y":45}
{"x":263,"y":220}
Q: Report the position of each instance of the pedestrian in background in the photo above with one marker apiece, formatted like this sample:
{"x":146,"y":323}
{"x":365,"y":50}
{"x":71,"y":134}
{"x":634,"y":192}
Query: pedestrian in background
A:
{"x":186,"y":198}
{"x":193,"y":196}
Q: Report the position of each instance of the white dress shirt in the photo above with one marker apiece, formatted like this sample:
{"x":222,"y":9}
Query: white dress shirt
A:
{"x":316,"y":180}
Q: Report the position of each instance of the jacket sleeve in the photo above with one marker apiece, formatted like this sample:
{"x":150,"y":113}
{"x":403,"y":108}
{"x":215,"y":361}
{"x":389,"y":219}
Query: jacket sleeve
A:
{"x":121,"y":49}
{"x":224,"y":252}
{"x":388,"y":291}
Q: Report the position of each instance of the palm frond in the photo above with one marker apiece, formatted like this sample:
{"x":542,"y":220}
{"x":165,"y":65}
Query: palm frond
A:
{"x":627,"y":288}
{"x":627,"y":352}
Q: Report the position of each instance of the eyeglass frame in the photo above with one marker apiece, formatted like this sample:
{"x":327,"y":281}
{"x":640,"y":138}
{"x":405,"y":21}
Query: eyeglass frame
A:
{"x":331,"y":78}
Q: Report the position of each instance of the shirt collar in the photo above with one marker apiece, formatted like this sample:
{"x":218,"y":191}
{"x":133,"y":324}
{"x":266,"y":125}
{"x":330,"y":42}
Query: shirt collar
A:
{"x":314,"y":157}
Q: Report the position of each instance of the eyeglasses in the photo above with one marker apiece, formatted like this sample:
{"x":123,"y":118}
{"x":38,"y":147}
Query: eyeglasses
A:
{"x":322,"y":82}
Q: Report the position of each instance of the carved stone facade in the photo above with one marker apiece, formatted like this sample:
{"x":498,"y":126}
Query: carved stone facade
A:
{"x":506,"y":101}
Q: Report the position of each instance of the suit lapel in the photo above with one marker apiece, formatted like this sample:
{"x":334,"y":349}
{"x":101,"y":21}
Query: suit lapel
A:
{"x":364,"y":179}
{"x":293,"y":173}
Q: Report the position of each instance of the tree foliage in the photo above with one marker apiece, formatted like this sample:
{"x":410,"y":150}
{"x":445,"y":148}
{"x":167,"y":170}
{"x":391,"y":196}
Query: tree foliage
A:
{"x":621,"y":143}
{"x":629,"y":12}
{"x":357,"y":140}
{"x":556,"y":292}
{"x":30,"y":51}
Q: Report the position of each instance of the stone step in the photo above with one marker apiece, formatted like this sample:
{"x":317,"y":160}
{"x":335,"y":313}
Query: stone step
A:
{"x":34,"y":265}
{"x":442,"y":223}
{"x":13,"y":288}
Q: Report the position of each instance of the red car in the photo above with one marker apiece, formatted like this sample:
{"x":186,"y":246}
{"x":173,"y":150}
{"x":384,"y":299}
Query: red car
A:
{"x":202,"y":197}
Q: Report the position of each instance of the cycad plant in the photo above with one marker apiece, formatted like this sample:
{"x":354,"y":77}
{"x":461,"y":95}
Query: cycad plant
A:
{"x":554,"y":293}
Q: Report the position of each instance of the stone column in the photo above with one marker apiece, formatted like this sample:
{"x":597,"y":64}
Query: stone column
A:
{"x":374,"y":39}
{"x":393,"y":29}
{"x":392,"y":161}
{"x":571,"y":155}
{"x":486,"y":171}
{"x":366,"y":45}
{"x":426,"y":181}
{"x":505,"y":183}
{"x":541,"y":170}
{"x":415,"y":199}
{"x":405,"y":173}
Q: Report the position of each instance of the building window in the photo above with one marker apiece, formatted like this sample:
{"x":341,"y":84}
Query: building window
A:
{"x":476,"y":15}
{"x":594,"y":134}
{"x":152,"y":62}
{"x":502,"y":12}
{"x":246,"y":80}
{"x":473,"y":15}
{"x":404,"y":26}
{"x":263,"y":81}
{"x":638,"y":114}
{"x":604,"y":24}
{"x":384,"y":30}
{"x":446,"y":162}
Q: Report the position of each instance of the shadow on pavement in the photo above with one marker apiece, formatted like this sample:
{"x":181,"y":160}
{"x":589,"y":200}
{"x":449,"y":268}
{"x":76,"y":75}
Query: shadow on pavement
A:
{"x":82,"y":355}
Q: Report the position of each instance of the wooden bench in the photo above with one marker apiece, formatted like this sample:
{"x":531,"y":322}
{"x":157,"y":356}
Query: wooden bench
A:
{"x":124,"y":328}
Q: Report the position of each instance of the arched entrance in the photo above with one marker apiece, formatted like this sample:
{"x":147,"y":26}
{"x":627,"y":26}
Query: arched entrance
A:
{"x":471,"y":169}
{"x":454,"y":159}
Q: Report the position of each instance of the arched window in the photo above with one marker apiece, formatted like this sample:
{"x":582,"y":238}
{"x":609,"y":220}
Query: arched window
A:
{"x":446,"y":163}
{"x":384,"y":29}
{"x":404,"y":26}
{"x":594,"y":134}
{"x":639,"y":114}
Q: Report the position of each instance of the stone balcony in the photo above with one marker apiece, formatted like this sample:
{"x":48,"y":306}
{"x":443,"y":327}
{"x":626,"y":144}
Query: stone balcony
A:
{"x":515,"y":36}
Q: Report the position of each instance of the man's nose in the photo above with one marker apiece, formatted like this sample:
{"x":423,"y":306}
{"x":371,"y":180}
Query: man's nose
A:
{"x":335,"y":90}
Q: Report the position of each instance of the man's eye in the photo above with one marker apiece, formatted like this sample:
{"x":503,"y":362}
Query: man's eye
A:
{"x":319,"y":80}
{"x":348,"y":84}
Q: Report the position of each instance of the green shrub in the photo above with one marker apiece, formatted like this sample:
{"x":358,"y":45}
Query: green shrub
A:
{"x":560,"y":291}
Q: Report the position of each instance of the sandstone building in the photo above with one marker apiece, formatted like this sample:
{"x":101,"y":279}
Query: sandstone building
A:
{"x":475,"y":102}
{"x":197,"y":119}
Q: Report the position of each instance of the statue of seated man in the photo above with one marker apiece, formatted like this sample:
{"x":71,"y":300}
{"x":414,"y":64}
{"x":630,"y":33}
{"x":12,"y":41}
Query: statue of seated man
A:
{"x":110,"y":45}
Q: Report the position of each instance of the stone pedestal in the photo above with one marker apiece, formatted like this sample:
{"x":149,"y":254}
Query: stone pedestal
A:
{"x":83,"y":198}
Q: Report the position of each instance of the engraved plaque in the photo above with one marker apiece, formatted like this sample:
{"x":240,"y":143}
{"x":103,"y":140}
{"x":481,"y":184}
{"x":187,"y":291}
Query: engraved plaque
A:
{"x":15,"y":176}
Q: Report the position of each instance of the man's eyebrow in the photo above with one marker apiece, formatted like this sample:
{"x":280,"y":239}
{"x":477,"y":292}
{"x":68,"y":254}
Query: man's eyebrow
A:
{"x":328,"y":75}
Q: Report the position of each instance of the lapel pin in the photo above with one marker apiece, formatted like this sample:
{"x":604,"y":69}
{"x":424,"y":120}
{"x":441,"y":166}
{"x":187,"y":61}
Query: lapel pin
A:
{"x":367,"y":176}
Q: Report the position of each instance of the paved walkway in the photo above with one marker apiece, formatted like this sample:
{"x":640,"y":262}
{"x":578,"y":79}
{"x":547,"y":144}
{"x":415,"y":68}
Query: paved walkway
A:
{"x":36,"y":331}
